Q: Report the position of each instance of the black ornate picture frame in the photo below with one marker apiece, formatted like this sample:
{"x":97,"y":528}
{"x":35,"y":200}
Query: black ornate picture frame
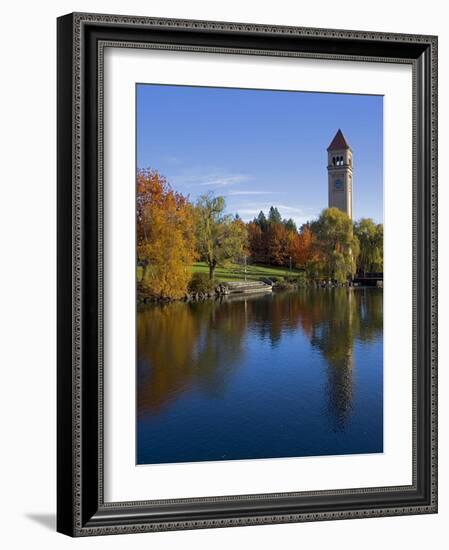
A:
{"x":81,"y":509}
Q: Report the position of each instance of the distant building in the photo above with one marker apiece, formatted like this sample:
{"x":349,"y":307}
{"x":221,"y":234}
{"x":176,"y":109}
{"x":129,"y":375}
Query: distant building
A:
{"x":339,"y":169}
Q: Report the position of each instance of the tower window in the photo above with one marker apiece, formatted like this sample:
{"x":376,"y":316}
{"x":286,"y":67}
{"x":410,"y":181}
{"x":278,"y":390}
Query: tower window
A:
{"x":338,"y":161}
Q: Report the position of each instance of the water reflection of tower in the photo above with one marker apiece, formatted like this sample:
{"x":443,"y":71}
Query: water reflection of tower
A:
{"x":340,"y":389}
{"x":341,"y":369}
{"x":333,"y":334}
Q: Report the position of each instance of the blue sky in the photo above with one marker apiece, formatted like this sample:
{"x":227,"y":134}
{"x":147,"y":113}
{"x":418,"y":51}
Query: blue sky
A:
{"x":260,"y":148}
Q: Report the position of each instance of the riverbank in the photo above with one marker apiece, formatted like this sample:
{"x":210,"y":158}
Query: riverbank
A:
{"x":221,"y":290}
{"x":231,"y":288}
{"x":278,"y":278}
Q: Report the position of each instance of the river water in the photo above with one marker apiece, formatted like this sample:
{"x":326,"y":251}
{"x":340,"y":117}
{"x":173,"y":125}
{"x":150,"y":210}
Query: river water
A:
{"x":286,"y":374}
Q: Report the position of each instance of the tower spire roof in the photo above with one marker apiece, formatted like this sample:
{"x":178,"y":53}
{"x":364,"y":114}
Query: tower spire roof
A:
{"x":339,"y":142}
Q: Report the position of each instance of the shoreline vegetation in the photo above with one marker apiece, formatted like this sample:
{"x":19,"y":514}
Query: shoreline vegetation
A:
{"x":196,"y":251}
{"x":277,"y":279}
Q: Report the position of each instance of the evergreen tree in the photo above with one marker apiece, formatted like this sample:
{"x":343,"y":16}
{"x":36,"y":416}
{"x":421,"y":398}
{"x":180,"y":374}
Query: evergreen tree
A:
{"x":261,"y":221}
{"x":290,"y":225}
{"x":274,"y":215}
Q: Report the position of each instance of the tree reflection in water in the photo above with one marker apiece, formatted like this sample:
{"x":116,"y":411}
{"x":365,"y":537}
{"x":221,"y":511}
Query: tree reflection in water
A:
{"x":183,"y":345}
{"x":334,"y":319}
{"x":199,"y":345}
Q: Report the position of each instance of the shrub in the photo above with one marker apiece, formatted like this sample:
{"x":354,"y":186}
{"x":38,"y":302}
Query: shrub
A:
{"x":200,"y":283}
{"x":283,"y":285}
{"x":303,"y":280}
{"x":300,"y":280}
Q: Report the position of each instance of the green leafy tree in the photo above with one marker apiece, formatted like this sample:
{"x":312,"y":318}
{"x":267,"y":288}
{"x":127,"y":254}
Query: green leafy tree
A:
{"x":370,"y":237}
{"x":219,"y":237}
{"x":336,"y":245}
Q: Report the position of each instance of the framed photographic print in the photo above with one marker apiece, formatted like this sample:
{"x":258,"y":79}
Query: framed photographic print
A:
{"x":247,"y":281}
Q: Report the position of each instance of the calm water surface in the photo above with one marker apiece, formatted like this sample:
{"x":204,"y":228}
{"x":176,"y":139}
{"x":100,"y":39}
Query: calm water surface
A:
{"x":279,"y":375}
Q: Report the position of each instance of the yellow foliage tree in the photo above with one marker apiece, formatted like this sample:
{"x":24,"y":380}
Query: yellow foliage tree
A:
{"x":165,"y":237}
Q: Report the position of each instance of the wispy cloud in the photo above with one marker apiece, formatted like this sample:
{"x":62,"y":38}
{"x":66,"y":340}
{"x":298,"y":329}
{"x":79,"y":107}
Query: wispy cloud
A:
{"x":172,"y":159}
{"x":292,"y":209}
{"x":211,"y":179}
{"x":226,"y":180}
{"x":236,"y":193}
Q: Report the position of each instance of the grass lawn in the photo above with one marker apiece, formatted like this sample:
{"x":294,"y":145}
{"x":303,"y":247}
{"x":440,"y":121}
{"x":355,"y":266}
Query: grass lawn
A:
{"x":235,"y":272}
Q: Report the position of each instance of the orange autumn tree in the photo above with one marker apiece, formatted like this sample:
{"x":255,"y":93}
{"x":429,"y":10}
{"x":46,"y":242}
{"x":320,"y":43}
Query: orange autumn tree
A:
{"x":165,"y":237}
{"x":256,"y":244}
{"x":277,"y":244}
{"x":303,"y":251}
{"x":290,"y":246}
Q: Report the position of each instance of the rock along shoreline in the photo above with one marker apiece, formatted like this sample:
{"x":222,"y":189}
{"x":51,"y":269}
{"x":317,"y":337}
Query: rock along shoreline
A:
{"x":241,"y":288}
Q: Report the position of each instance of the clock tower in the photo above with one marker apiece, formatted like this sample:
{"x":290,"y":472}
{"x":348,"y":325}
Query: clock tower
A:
{"x":339,"y":169}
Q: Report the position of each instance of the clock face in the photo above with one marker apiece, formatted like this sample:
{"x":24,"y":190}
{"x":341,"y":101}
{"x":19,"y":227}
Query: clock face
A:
{"x":338,"y":184}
